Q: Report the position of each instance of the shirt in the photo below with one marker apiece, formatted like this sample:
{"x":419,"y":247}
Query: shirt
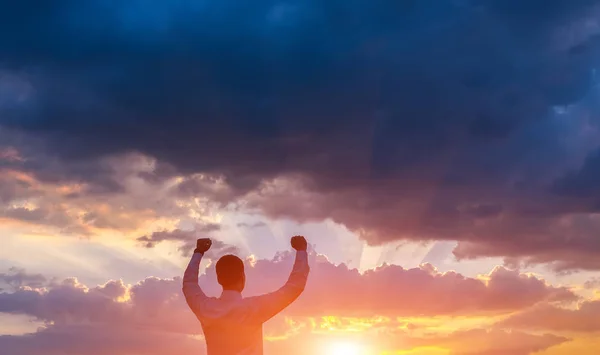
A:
{"x":232,"y":324}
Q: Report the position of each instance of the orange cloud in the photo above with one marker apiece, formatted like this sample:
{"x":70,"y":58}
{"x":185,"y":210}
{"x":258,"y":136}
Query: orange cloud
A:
{"x":491,"y":342}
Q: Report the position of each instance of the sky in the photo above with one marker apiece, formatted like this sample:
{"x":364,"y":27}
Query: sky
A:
{"x":442,"y":158}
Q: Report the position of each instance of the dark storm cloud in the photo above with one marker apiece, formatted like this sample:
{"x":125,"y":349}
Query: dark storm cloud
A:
{"x":403,"y":80}
{"x":411,"y":119}
{"x":178,"y":235}
{"x":151,"y":240}
{"x":187,"y":240}
{"x":585,"y":182}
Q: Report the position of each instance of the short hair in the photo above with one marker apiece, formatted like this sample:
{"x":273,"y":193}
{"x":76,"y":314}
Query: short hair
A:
{"x":230,"y":270}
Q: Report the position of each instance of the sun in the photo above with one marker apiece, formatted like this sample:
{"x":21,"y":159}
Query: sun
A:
{"x":343,"y":348}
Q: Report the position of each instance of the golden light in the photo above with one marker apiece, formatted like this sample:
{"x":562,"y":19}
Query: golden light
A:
{"x":344,"y":348}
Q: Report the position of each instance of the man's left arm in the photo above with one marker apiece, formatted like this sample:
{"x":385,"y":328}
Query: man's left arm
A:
{"x":268,"y":305}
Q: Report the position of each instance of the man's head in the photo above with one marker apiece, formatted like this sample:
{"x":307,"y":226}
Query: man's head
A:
{"x":230,"y":273}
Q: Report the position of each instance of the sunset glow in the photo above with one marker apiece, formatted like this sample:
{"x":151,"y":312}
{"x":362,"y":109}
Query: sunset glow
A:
{"x":344,"y":348}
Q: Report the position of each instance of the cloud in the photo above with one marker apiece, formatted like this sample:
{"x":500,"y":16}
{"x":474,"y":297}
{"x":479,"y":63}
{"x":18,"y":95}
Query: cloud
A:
{"x":585,"y":318}
{"x":494,"y":342}
{"x":387,"y":338}
{"x":14,"y":186}
{"x":592,"y":284}
{"x":9,"y":154}
{"x":17,"y":278}
{"x":187,"y":240}
{"x":89,"y":339}
{"x":583,"y":183}
{"x":393,"y":290}
{"x":76,"y":206}
{"x":132,"y":318}
{"x":177,"y":235}
{"x":122,"y":340}
{"x":252,"y":225}
{"x":446,"y":122}
{"x":155,"y":304}
{"x":331,"y":290}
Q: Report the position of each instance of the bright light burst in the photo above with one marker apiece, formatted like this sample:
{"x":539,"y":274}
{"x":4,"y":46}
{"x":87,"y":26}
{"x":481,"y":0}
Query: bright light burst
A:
{"x":344,"y":348}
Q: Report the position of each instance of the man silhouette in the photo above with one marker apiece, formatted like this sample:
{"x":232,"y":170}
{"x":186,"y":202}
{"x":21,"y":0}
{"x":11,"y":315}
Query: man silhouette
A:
{"x":232,"y":324}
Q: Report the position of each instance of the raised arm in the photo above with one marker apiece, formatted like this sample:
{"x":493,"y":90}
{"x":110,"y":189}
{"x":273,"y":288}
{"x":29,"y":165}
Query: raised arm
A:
{"x":194,"y":296}
{"x":270,"y":304}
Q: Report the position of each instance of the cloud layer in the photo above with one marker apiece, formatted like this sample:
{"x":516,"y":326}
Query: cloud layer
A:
{"x":123,"y":315}
{"x":331,"y":290}
{"x":447,"y":120}
{"x":584,"y":318}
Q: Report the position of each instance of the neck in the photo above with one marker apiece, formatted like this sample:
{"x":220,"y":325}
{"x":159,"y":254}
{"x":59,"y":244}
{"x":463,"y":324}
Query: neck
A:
{"x":229,"y":294}
{"x":232,"y":290}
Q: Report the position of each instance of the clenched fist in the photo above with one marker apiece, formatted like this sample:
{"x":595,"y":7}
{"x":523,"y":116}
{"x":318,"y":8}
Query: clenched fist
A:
{"x":299,"y":243}
{"x":202,"y":245}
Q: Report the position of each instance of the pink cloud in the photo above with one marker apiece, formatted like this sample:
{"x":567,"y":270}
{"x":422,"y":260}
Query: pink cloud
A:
{"x":146,"y":317}
{"x":331,"y":290}
{"x":115,"y":339}
{"x":585,"y":318}
{"x":391,"y":289}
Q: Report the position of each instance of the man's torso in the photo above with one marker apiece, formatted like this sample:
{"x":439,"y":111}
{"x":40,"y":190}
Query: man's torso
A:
{"x":231,"y":327}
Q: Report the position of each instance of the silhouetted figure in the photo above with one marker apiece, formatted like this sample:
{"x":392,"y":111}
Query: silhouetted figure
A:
{"x":232,"y":324}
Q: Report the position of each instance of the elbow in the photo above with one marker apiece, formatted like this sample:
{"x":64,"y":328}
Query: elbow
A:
{"x":298,"y":289}
{"x":298,"y":292}
{"x":186,"y":288}
{"x":301,"y":290}
{"x":301,"y":286}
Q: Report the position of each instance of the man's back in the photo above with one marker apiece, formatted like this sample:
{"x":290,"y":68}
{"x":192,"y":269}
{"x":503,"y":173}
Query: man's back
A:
{"x":232,"y":324}
{"x":230,"y":328}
